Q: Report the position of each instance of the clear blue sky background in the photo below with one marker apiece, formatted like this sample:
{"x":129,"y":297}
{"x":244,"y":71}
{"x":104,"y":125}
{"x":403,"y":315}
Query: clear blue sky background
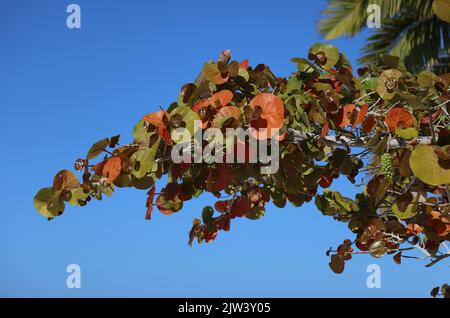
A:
{"x":61,"y":90}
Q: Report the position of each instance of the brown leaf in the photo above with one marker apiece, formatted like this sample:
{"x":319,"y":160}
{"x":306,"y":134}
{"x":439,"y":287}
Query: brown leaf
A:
{"x":65,"y":180}
{"x":398,"y":258}
{"x":403,"y":201}
{"x":337,"y":264}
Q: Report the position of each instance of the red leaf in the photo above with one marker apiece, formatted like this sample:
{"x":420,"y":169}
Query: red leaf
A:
{"x":209,"y":236}
{"x":325,"y":181}
{"x":426,"y":119}
{"x":368,"y":124}
{"x":240,"y":207}
{"x":98,"y":168}
{"x":219,"y":178}
{"x":221,"y":206}
{"x":149,"y":203}
{"x":224,"y":176}
{"x":224,"y":223}
{"x":209,"y":181}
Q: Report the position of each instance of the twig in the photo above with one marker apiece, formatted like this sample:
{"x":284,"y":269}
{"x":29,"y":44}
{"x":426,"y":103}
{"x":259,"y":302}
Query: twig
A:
{"x":296,"y":136}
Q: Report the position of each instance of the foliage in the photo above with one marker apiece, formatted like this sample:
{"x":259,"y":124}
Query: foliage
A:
{"x":330,"y":122}
{"x":416,"y":31}
{"x":443,"y":291}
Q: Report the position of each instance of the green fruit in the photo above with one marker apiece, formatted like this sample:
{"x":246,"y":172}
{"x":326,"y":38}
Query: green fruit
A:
{"x":386,"y":165}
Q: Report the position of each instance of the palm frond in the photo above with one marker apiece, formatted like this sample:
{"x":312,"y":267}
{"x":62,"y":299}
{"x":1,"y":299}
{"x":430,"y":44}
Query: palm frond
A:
{"x":343,"y":18}
{"x":416,"y":40}
{"x":384,"y":38}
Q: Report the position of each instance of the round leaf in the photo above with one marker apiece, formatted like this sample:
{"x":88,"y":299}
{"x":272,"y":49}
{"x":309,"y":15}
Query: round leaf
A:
{"x":427,"y":166}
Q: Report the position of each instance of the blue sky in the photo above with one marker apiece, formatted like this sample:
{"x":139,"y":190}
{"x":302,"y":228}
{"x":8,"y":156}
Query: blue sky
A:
{"x":61,"y":90}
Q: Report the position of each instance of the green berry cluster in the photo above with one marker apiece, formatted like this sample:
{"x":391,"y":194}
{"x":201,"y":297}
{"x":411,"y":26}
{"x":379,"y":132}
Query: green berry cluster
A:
{"x":386,"y":165}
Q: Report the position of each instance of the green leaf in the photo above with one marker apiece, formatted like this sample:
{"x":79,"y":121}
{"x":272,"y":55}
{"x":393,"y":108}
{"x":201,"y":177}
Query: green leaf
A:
{"x":427,"y":79}
{"x":244,"y":73}
{"x":77,"y":195}
{"x":97,"y":148}
{"x":325,"y":55}
{"x":410,"y":211}
{"x":212,"y":73}
{"x":166,"y":206}
{"x":145,"y":159}
{"x":427,"y":166}
{"x":207,"y":214}
{"x":48,"y":202}
{"x":255,"y":213}
{"x":442,"y":9}
{"x":407,"y":133}
{"x":140,"y":133}
{"x":387,"y":83}
{"x":189,"y":117}
{"x":294,"y":85}
{"x":303,"y":65}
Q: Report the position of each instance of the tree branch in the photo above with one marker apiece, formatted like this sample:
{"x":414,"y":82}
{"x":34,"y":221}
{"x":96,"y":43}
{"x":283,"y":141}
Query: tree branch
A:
{"x":296,"y":136}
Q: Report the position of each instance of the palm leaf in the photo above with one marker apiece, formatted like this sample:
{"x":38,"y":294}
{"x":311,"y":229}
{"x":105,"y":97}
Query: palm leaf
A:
{"x":409,"y":29}
{"x":343,"y":18}
{"x":416,"y":40}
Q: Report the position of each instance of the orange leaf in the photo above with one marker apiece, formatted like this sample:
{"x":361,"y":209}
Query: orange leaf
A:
{"x":200,"y":104}
{"x":398,"y":117}
{"x":222,"y":98}
{"x":343,"y":118}
{"x":325,"y":129}
{"x":218,"y":100}
{"x":272,"y":115}
{"x":157,"y":119}
{"x":112,"y":169}
{"x":361,"y":114}
{"x":244,"y":64}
